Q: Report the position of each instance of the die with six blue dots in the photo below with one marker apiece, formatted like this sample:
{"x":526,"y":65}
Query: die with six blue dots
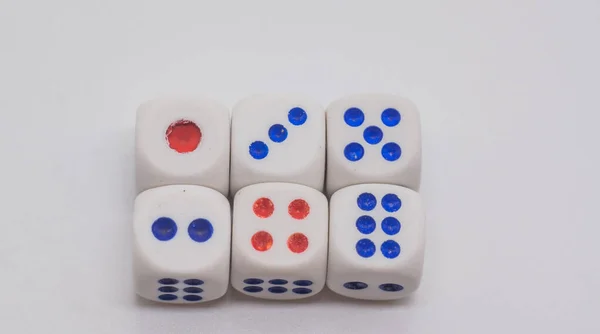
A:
{"x":376,"y":241}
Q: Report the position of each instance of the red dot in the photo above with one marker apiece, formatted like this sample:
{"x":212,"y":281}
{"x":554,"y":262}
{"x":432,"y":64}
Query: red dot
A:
{"x":262,"y":241}
{"x":297,"y":242}
{"x":183,"y":136}
{"x":299,"y":209}
{"x":263,"y":207}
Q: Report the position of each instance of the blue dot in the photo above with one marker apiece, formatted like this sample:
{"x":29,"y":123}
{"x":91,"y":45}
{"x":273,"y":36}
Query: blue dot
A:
{"x":167,"y":296}
{"x":373,"y":135}
{"x":297,"y":116}
{"x":200,"y":230}
{"x":365,"y":224}
{"x":390,"y":249}
{"x":277,"y":133}
{"x":193,"y":281}
{"x":354,"y":151}
{"x":366,"y":201}
{"x":168,"y":281}
{"x":259,"y":150}
{"x":391,"y":203}
{"x":192,"y":298}
{"x":365,"y":248}
{"x":277,"y":289}
{"x":164,"y":229}
{"x":192,"y":290}
{"x":253,"y":281}
{"x":390,"y":226}
{"x":168,"y":289}
{"x":391,"y":151}
{"x":354,"y":117}
{"x":390,"y":117}
{"x":355,"y":285}
{"x":302,"y":291}
{"x":278,"y":282}
{"x":303,"y":282}
{"x":391,"y":287}
{"x":253,"y":289}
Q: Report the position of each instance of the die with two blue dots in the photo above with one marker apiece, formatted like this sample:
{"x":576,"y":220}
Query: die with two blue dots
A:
{"x":373,"y":138}
{"x":181,"y":238}
{"x":277,"y":138}
{"x":376,"y":243}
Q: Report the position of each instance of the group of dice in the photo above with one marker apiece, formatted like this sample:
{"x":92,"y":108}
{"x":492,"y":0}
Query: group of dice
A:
{"x":279,"y":157}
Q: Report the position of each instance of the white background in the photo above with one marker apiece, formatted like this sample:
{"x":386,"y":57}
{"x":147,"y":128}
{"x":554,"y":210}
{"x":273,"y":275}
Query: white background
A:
{"x":509,"y":96}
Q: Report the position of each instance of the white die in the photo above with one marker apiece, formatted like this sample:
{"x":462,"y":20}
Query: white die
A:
{"x":376,"y":241}
{"x":277,"y":138}
{"x":373,"y":138}
{"x":181,"y":244}
{"x":182,"y":142}
{"x":279,"y":241}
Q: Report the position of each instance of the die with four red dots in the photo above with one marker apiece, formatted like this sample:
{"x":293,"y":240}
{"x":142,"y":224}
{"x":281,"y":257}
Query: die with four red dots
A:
{"x":277,"y":138}
{"x":373,"y":138}
{"x":181,"y":244}
{"x":376,"y":241}
{"x":279,"y":241}
{"x":182,"y":142}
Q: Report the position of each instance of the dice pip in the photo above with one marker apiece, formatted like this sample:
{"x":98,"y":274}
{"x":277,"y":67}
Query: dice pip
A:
{"x":181,"y":244}
{"x":373,"y":138}
{"x":376,"y":242}
{"x":279,"y":241}
{"x":182,"y":141}
{"x":277,"y":138}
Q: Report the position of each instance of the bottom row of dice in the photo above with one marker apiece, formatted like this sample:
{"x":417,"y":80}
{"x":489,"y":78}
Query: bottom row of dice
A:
{"x":284,"y":241}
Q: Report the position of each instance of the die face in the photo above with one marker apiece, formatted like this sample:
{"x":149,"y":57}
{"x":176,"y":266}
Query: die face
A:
{"x":181,"y":244}
{"x":377,"y":241}
{"x":277,"y":138}
{"x":182,"y":142}
{"x":279,"y":241}
{"x":373,"y":138}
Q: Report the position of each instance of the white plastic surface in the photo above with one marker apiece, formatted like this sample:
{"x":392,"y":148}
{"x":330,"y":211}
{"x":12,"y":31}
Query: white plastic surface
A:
{"x":372,"y":167}
{"x":279,"y":262}
{"x":346,"y":265}
{"x":158,"y":165}
{"x":181,"y":258}
{"x":300,"y":158}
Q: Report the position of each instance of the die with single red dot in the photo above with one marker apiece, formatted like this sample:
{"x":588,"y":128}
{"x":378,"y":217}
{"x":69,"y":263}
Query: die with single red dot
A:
{"x":279,"y":241}
{"x":183,"y":142}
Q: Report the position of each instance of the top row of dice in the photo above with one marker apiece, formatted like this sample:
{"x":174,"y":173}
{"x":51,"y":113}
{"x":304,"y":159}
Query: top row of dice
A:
{"x":370,"y":138}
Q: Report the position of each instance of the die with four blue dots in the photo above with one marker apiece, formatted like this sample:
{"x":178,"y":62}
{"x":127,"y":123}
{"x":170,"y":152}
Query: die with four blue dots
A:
{"x":277,"y":138}
{"x":373,"y":138}
{"x":181,"y":244}
{"x":376,"y":241}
